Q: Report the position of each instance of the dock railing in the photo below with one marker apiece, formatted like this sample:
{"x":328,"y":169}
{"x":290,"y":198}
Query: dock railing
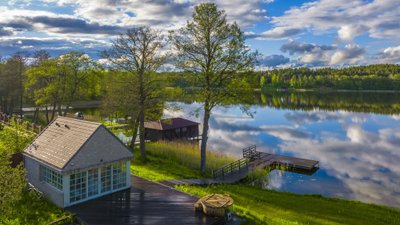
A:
{"x":231,"y":168}
{"x":249,"y":154}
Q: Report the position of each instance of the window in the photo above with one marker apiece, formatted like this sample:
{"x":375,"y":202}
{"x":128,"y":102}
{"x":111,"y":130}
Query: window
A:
{"x":119,"y":175}
{"x":93,"y":182}
{"x":77,"y":187}
{"x":105,"y":179}
{"x":51,"y":177}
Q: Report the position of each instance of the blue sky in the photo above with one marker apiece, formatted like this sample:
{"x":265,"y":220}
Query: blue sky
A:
{"x":289,"y":33}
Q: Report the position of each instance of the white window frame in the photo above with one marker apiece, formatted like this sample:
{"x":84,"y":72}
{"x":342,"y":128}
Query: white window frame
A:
{"x":127,"y":179}
{"x":51,"y":177}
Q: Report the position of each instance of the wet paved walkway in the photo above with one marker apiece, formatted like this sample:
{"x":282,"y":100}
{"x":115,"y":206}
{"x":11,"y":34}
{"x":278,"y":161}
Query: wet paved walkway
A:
{"x":146,"y":203}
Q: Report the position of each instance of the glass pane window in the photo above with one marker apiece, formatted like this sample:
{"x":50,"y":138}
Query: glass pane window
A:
{"x":51,"y":177}
{"x":93,"y":182}
{"x":119,"y":175}
{"x":105,"y":179}
{"x":77,"y":187}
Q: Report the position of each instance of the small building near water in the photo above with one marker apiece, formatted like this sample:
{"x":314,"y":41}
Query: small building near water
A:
{"x":171,"y":129}
{"x":73,"y":161}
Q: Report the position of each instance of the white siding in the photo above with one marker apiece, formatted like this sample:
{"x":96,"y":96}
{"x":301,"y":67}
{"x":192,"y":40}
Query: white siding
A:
{"x":33,"y":175}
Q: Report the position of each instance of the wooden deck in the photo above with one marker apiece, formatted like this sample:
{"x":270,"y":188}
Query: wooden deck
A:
{"x":146,"y":203}
{"x":251,"y":161}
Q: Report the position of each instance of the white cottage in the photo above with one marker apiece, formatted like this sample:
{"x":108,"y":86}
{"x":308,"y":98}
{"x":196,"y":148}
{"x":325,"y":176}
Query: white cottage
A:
{"x":73,"y":161}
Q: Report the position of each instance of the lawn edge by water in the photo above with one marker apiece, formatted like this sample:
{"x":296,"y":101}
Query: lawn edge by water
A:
{"x":177,"y":161}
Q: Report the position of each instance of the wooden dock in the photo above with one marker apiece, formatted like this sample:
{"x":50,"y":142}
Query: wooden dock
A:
{"x":252,"y":160}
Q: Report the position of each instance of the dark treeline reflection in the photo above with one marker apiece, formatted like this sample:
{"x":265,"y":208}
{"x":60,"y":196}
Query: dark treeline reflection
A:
{"x":368,"y":102}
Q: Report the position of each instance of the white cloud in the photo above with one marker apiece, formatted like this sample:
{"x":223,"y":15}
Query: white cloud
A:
{"x":378,"y":18}
{"x":323,"y":55}
{"x":348,"y":32}
{"x":350,"y":54}
{"x":278,"y":33}
{"x":389,"y":55}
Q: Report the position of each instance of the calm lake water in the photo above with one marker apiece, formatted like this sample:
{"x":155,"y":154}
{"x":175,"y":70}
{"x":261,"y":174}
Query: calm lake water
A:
{"x":355,"y":136}
{"x":359,"y":152}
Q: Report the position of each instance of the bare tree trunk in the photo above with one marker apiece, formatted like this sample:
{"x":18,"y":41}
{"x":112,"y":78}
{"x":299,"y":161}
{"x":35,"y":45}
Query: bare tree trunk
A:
{"x":53,"y":113}
{"x":36,"y":115}
{"x":47,"y":115}
{"x":141,"y":135}
{"x":204,"y":137}
{"x":135,"y":132}
{"x":59,"y":109}
{"x":66,"y":109}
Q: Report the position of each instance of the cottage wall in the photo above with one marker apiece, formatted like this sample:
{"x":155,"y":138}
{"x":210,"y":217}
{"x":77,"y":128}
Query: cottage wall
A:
{"x":33,"y":176}
{"x":100,"y":149}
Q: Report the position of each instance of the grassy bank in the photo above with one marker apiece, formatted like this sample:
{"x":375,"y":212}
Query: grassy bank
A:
{"x":30,"y":208}
{"x":258,"y":206}
{"x":272,"y":207}
{"x":34,"y":209}
{"x":13,"y":139}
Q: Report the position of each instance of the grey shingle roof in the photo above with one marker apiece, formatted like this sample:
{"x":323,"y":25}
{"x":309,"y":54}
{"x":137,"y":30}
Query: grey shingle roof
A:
{"x":61,"y":140}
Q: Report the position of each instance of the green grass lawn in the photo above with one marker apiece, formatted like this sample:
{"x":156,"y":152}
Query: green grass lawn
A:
{"x":258,"y":206}
{"x":30,"y":208}
{"x":14,"y":139}
{"x":33,"y":209}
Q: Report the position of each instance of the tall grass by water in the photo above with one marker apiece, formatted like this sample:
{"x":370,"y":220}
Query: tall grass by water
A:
{"x":188,"y":154}
{"x":176,"y":160}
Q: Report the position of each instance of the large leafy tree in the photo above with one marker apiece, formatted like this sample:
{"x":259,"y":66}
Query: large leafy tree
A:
{"x":134,"y":91}
{"x":57,"y":82}
{"x":215,"y":52}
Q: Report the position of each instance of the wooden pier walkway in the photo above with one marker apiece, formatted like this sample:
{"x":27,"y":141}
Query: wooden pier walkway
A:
{"x":251,"y":161}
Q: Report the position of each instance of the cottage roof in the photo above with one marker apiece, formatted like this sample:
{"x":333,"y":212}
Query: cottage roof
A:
{"x":170,"y":123}
{"x":63,"y":139}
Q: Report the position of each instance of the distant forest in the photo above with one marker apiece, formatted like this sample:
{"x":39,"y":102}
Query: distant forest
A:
{"x":371,"y":77}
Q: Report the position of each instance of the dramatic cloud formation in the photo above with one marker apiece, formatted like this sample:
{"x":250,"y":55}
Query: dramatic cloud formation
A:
{"x":349,"y":18}
{"x":326,"y":33}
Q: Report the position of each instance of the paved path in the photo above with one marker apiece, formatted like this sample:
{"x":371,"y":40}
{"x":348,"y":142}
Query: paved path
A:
{"x":146,"y":203}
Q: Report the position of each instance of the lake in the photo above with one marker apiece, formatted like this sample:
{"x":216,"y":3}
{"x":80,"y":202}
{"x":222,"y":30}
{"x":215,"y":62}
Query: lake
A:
{"x":356,"y":141}
{"x":354,"y":135}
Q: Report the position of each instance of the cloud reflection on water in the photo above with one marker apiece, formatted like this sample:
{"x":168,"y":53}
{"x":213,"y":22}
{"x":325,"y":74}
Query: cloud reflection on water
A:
{"x":359,"y":157}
